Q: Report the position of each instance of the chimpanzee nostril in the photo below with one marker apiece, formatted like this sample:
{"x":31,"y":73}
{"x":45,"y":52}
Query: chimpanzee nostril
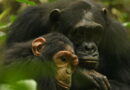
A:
{"x":93,"y":49}
{"x":90,"y":47}
{"x":86,"y":48}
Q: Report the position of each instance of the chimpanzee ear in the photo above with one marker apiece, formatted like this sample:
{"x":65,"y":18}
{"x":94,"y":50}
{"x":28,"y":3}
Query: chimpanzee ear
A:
{"x":55,"y":15}
{"x":37,"y":45}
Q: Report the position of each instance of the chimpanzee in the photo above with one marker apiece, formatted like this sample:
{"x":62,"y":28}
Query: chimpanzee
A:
{"x":53,"y":47}
{"x":91,"y":29}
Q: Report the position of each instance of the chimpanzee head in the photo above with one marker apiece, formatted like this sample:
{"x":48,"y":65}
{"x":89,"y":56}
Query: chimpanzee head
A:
{"x":83,"y":23}
{"x":57,"y":48}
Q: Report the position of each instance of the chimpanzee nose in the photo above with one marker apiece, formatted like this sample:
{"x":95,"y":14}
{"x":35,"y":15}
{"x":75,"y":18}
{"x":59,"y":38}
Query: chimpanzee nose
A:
{"x":90,"y":47}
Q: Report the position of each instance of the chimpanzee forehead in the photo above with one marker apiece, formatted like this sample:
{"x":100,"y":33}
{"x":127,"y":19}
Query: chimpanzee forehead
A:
{"x":77,"y":12}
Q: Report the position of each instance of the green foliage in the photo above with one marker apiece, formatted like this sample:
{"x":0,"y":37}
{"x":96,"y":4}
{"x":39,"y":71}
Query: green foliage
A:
{"x":6,"y":25}
{"x":127,"y":24}
{"x":19,"y":74}
{"x":12,"y":18}
{"x":27,"y":2}
{"x":20,"y":85}
{"x":2,"y":34}
{"x":23,"y":69}
{"x":2,"y":37}
{"x":3,"y":26}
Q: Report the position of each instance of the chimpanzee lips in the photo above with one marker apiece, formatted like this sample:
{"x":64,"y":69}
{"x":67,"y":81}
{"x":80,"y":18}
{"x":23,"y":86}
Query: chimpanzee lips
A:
{"x":88,"y":62}
{"x":88,"y":59}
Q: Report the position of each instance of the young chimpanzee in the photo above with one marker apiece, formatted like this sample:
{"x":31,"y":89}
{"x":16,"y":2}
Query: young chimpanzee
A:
{"x":54,"y":48}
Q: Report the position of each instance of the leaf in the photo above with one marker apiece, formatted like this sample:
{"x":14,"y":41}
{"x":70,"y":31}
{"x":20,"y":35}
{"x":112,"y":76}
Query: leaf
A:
{"x":27,"y":2}
{"x":2,"y":34}
{"x":2,"y":37}
{"x":20,"y":85}
{"x":127,"y":24}
{"x":3,"y":26}
{"x":12,"y":18}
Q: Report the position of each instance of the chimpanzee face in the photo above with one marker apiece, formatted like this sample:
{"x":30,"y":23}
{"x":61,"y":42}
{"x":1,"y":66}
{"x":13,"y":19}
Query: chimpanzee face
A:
{"x":86,"y":40}
{"x":83,"y":24}
{"x":86,"y":35}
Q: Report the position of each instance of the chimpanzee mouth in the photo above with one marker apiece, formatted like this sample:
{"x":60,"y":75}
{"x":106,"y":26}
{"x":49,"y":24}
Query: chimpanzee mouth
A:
{"x":88,"y":59}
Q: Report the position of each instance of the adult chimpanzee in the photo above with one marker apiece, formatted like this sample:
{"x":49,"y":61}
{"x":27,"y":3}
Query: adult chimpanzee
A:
{"x":53,"y":47}
{"x":91,"y":29}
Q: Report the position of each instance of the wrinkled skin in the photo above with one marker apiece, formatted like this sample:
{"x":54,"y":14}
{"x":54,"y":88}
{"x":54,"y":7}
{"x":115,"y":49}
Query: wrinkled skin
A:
{"x":65,"y":63}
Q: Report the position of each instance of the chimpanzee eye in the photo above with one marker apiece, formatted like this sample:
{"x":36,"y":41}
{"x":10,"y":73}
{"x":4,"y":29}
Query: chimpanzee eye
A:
{"x":63,"y":58}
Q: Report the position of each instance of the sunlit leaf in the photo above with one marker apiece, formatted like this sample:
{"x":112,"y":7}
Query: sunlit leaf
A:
{"x":12,"y":18}
{"x":20,"y":85}
{"x":27,"y":2}
{"x":3,"y":26}
{"x":2,"y":34}
{"x":2,"y":37}
{"x":127,"y":24}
